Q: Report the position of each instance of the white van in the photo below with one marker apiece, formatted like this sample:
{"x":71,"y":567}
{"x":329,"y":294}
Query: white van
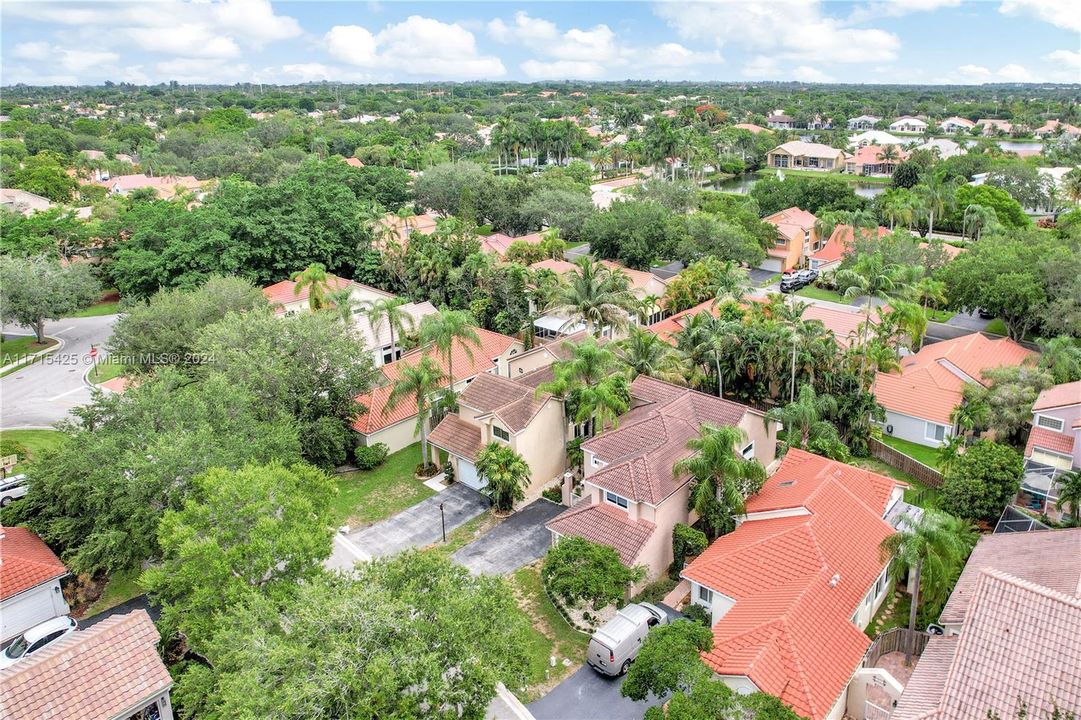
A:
{"x":12,"y":488}
{"x":616,"y":644}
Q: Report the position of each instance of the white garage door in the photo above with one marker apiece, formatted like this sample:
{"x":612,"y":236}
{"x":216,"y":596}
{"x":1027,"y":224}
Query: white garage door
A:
{"x":31,"y":608}
{"x":467,"y":475}
{"x":771,"y":264}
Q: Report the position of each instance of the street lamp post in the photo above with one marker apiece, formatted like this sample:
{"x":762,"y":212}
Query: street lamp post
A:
{"x":443,"y":522}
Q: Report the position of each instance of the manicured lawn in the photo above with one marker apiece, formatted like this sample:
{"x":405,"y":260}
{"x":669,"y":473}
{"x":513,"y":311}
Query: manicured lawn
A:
{"x":33,"y":440}
{"x":550,"y":635}
{"x":939,"y":315}
{"x":17,"y":347}
{"x":917,"y":494}
{"x":818,"y":293}
{"x":367,"y":496}
{"x":855,"y":179}
{"x":104,"y":371}
{"x":122,"y":586}
{"x":996,"y":327}
{"x":105,"y":308}
{"x":926,"y":455}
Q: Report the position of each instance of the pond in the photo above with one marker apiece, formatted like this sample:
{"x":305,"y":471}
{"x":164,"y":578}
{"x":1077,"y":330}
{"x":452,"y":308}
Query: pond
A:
{"x":742,"y":184}
{"x":1020,"y":147}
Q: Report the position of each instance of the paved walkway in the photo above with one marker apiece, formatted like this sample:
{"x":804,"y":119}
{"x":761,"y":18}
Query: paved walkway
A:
{"x":513,"y":543}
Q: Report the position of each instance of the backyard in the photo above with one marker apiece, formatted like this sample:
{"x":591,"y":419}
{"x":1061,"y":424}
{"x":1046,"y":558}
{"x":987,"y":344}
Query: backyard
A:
{"x":366,"y":496}
{"x":926,"y":455}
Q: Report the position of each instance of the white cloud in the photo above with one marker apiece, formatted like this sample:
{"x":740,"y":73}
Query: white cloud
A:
{"x":1060,"y":13}
{"x":417,"y":46}
{"x":806,"y":73}
{"x":1067,"y":58}
{"x":255,"y":21}
{"x":791,"y":29}
{"x":32,"y":51}
{"x":204,"y":70}
{"x":978,"y":74}
{"x":1014,"y":73}
{"x":975,"y":73}
{"x":762,"y":66}
{"x":897,"y":8}
{"x":309,"y":72}
{"x":187,"y":39}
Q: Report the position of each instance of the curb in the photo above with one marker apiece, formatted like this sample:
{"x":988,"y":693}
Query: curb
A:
{"x":28,"y":360}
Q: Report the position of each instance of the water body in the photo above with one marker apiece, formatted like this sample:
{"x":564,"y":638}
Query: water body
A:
{"x":742,"y":184}
{"x":1016,"y":146}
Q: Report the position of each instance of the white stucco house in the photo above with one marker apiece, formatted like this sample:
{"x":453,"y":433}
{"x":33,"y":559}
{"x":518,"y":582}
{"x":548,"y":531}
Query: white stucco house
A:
{"x":30,"y":575}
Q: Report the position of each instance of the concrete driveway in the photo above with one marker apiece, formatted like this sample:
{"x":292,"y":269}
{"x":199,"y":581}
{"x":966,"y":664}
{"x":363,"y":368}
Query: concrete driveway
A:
{"x":418,"y":525}
{"x":514,"y":543}
{"x":45,"y":392}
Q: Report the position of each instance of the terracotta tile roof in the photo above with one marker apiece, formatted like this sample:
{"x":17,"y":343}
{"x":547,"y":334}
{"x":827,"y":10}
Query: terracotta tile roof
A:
{"x":457,"y":436}
{"x":105,"y":671}
{"x":666,"y":329}
{"x":513,"y":403}
{"x":604,"y":524}
{"x":25,"y":562}
{"x":798,"y":148}
{"x":284,"y":292}
{"x":1059,"y":396}
{"x":1049,"y":440}
{"x":353,"y":162}
{"x":868,"y":155}
{"x":751,"y":126}
{"x":951,"y":250}
{"x":928,"y":681}
{"x":639,"y":280}
{"x":844,"y":324}
{"x":499,"y":243}
{"x":840,"y":239}
{"x":1051,"y":558}
{"x":378,"y":417}
{"x":790,"y":629}
{"x":641,"y":452}
{"x":559,"y":267}
{"x":927,"y":386}
{"x":1020,"y":642}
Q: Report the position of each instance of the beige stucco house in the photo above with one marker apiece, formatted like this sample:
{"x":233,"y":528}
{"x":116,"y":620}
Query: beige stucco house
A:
{"x":806,"y":156}
{"x":796,"y":239}
{"x":629,"y":497}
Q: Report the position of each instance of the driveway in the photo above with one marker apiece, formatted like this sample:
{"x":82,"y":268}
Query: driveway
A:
{"x":587,"y":695}
{"x":45,"y":392}
{"x":415,"y":526}
{"x":137,"y":603}
{"x":514,"y":543}
{"x":969,"y":321}
{"x":759,"y":276}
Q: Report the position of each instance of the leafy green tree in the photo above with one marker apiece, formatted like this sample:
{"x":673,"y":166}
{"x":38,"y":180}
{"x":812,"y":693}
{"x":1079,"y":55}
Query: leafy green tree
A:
{"x":906,"y":175}
{"x":578,"y":571}
{"x":1008,"y":212}
{"x":55,"y":233}
{"x":721,"y":479}
{"x":411,"y":636}
{"x":45,"y":174}
{"x":980,"y":482}
{"x":36,"y":289}
{"x":1005,"y":403}
{"x":42,"y":138}
{"x":1061,"y":356}
{"x":443,"y":187}
{"x":418,"y":382}
{"x":686,"y":542}
{"x":634,"y":233}
{"x":933,"y":551}
{"x":707,"y":236}
{"x":507,"y":475}
{"x":668,"y":661}
{"x":1069,"y":495}
{"x":567,"y":210}
{"x":595,"y":296}
{"x":811,"y":194}
{"x":258,"y":529}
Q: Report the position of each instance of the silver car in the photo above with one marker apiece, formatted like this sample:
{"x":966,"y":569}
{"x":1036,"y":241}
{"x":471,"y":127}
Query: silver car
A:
{"x":12,"y":488}
{"x":616,"y":644}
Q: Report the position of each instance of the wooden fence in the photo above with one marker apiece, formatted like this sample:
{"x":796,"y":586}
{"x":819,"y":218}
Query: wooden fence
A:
{"x":895,"y":458}
{"x":895,"y":640}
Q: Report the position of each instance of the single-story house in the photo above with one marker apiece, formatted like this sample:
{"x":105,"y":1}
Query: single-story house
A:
{"x":396,"y":427}
{"x":779,"y":121}
{"x":1013,"y":634}
{"x":630,"y":499}
{"x":30,"y":575}
{"x":751,"y":127}
{"x":791,"y":589}
{"x":110,"y":671}
{"x":908,"y":124}
{"x":942,"y":147}
{"x":874,"y":137}
{"x":829,"y":256}
{"x":21,"y":201}
{"x":166,"y":186}
{"x":921,"y":396}
{"x":870,"y":160}
{"x":863,"y":122}
{"x":992,"y":126}
{"x":285,"y":300}
{"x":497,"y":409}
{"x":1054,"y":128}
{"x":956,"y":124}
{"x":805,"y":155}
{"x":796,"y":238}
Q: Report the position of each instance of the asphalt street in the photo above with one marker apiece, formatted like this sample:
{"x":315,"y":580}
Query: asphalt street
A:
{"x":44,"y":393}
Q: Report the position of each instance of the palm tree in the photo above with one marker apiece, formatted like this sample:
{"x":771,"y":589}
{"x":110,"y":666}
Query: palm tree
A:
{"x":389,"y":311}
{"x":717,"y":343}
{"x":507,"y":475}
{"x":447,"y":330}
{"x":1069,"y":493}
{"x":590,"y":382}
{"x":805,"y":420}
{"x":910,"y":320}
{"x":928,"y":292}
{"x":1071,"y":184}
{"x":315,"y":279}
{"x":888,"y":155}
{"x":595,"y":296}
{"x":870,"y":277}
{"x":934,"y":548}
{"x":419,"y":382}
{"x":645,"y":353}
{"x":976,"y":219}
{"x":721,"y":479}
{"x":732,"y":281}
{"x":1062,"y":357}
{"x":936,"y":197}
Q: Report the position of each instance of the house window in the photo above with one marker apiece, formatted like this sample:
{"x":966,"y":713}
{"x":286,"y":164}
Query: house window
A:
{"x":748,"y":451}
{"x":388,"y":354}
{"x":705,"y":595}
{"x":617,"y":500}
{"x":1051,"y":423}
{"x":501,"y":433}
{"x":934,"y":431}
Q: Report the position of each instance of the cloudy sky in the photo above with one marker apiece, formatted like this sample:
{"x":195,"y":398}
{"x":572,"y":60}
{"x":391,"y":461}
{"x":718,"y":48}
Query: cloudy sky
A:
{"x":227,"y":41}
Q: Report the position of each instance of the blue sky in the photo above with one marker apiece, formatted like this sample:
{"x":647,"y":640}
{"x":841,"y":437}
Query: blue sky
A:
{"x":227,"y":41}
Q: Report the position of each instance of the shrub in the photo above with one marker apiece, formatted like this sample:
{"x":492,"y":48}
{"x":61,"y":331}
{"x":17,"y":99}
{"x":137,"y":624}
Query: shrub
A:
{"x":555,"y":494}
{"x":686,"y":541}
{"x":578,"y":571}
{"x":982,"y":480}
{"x":369,"y":457}
{"x":697,"y":613}
{"x":326,"y":440}
{"x":655,"y":591}
{"x":11,"y":447}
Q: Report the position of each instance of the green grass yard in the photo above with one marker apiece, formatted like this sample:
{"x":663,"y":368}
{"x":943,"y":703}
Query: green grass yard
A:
{"x":367,"y":496}
{"x":104,"y":371}
{"x":122,"y":586}
{"x":917,"y":494}
{"x":926,"y":455}
{"x":818,"y":293}
{"x":96,"y":310}
{"x":847,"y":177}
{"x":34,"y":441}
{"x":16,"y":348}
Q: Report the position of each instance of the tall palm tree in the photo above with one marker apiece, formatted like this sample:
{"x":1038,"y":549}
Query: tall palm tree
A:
{"x":976,"y":219}
{"x":934,"y":549}
{"x":872,"y":278}
{"x":910,"y":319}
{"x":732,"y":281}
{"x":805,"y":419}
{"x":591,"y":383}
{"x":936,"y":198}
{"x":314,"y":278}
{"x":721,"y":479}
{"x":645,"y":353}
{"x":447,"y":330}
{"x":1069,"y":494}
{"x":596,"y":297}
{"x":389,"y":311}
{"x":718,"y":343}
{"x":889,"y":154}
{"x":1062,"y":357}
{"x":418,"y":382}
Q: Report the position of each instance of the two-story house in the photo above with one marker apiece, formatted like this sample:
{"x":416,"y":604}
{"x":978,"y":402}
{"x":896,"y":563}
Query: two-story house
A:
{"x":791,"y":589}
{"x":801,"y":155}
{"x":494,"y":409}
{"x":796,"y":239}
{"x":1055,"y":438}
{"x":863,"y":122}
{"x":908,"y":124}
{"x":30,"y":575}
{"x":630,"y":497}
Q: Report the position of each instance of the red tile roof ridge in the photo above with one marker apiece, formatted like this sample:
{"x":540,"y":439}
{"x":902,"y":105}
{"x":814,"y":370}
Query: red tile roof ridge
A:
{"x":26,"y":561}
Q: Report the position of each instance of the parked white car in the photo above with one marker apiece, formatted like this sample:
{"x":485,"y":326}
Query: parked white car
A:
{"x":616,"y":644}
{"x":12,"y":488}
{"x":37,"y":638}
